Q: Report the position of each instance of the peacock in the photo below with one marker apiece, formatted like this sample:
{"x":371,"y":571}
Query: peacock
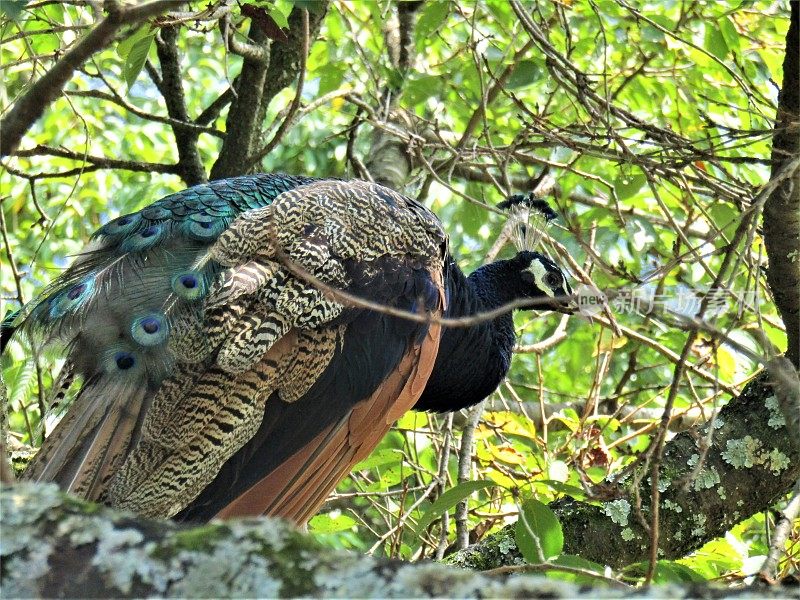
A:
{"x":241,"y":344}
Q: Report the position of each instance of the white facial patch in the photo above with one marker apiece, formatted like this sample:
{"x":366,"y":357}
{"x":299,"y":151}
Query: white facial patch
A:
{"x":538,"y":270}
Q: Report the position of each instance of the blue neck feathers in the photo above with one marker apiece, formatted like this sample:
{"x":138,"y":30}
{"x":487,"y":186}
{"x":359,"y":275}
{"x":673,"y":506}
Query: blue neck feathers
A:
{"x":473,"y":360}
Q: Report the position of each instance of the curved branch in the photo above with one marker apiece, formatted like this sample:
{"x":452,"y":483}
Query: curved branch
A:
{"x":242,"y":123}
{"x":171,"y":88}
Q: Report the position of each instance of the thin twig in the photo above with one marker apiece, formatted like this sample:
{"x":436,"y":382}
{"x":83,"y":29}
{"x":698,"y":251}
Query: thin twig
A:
{"x":779,"y":536}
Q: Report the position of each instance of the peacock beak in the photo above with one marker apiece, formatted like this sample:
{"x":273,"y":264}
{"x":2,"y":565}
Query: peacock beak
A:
{"x":565,"y":304}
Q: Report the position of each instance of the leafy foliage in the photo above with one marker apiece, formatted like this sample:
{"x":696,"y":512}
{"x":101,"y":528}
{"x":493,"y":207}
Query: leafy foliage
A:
{"x":655,"y":126}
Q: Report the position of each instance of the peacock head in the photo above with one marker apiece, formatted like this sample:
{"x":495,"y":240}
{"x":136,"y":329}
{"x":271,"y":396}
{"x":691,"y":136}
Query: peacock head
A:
{"x":537,"y":277}
{"x":541,"y":280}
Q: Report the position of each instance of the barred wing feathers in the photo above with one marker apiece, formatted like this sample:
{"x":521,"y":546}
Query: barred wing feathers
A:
{"x":226,"y":383}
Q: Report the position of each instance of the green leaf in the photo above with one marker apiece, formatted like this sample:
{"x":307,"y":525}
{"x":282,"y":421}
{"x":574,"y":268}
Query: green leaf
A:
{"x":313,"y":6}
{"x":393,"y":475}
{"x":329,"y":524}
{"x":281,"y":19}
{"x":715,"y":41}
{"x":538,"y":533}
{"x":726,"y":363}
{"x":668,"y":571}
{"x":134,"y":51}
{"x":525,"y":73}
{"x":576,"y":562}
{"x":728,"y":31}
{"x":628,"y":185}
{"x":563,"y":488}
{"x":20,"y":380}
{"x":433,"y":15}
{"x":382,"y":457}
{"x":421,"y":88}
{"x":449,"y":499}
{"x":725,"y":217}
{"x":662,"y":20}
{"x":330,"y":77}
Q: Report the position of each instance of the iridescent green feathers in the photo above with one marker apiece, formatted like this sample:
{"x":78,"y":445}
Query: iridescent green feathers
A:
{"x":184,"y":318}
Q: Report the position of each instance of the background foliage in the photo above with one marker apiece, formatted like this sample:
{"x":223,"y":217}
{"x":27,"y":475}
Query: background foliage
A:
{"x":648,"y":124}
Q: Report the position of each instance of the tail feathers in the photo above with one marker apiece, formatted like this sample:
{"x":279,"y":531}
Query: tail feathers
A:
{"x":93,"y":438}
{"x":60,"y":389}
{"x":192,"y":430}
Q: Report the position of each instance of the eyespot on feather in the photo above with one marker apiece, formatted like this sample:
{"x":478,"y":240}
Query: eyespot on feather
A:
{"x":121,"y":225}
{"x":120,"y":360}
{"x":189,"y":285}
{"x":70,"y":299}
{"x":205,"y":230}
{"x":143,"y":239}
{"x":150,"y":330}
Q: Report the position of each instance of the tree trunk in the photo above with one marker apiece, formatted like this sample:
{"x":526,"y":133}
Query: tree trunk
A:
{"x":782,"y":208}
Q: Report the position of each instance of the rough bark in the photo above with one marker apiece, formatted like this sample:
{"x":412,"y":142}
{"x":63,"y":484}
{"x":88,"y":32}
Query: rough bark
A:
{"x":54,"y":545}
{"x":242,"y":125}
{"x":261,"y":78}
{"x":285,"y":61}
{"x":750,"y":464}
{"x":782,"y":208}
{"x":389,"y":162}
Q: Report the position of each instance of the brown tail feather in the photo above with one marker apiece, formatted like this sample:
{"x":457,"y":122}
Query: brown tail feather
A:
{"x":91,"y":440}
{"x":115,"y":437}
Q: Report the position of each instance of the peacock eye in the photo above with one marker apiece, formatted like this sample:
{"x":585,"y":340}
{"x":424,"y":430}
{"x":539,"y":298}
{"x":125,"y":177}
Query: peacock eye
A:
{"x":552,"y":280}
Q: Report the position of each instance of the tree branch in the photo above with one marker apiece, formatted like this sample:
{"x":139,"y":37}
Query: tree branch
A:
{"x":285,"y":58}
{"x":290,"y":114}
{"x":389,"y":161}
{"x":28,"y":108}
{"x":101,"y":162}
{"x":211,"y":112}
{"x":190,"y":166}
{"x":197,"y":127}
{"x":55,"y":545}
{"x":242,"y":124}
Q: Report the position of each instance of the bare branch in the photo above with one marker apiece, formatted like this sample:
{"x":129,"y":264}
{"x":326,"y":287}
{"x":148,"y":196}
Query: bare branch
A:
{"x":780,"y":535}
{"x":100,"y":162}
{"x":196,"y":127}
